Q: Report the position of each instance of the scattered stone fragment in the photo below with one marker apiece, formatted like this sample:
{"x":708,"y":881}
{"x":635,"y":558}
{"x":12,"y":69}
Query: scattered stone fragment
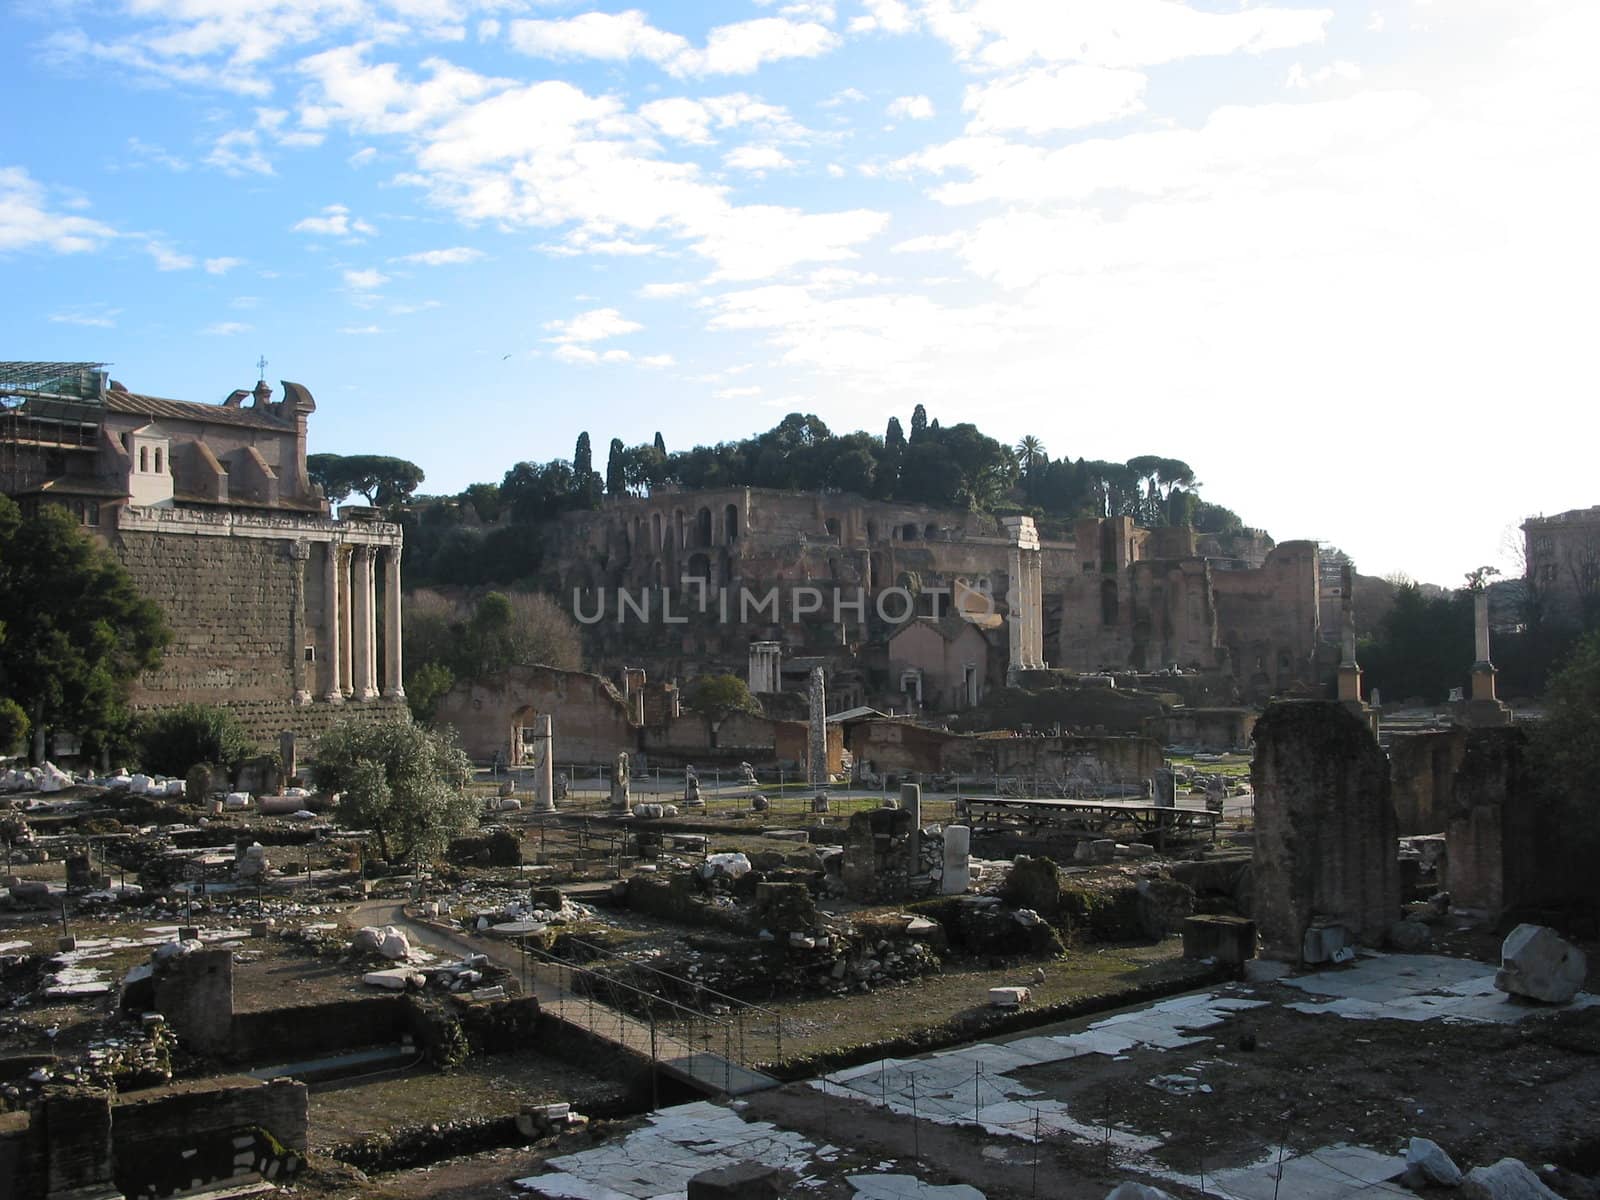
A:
{"x":1410,"y":937}
{"x":1508,"y":1179}
{"x":1538,"y":963}
{"x":1427,"y":1163}
{"x":1008,"y":997}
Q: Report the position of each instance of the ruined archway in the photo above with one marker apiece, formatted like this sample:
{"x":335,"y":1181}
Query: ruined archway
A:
{"x":523,"y":736}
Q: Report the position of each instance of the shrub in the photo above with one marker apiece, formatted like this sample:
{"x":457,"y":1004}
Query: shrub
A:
{"x":175,"y":739}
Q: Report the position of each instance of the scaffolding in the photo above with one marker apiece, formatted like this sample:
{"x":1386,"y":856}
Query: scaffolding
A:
{"x":46,"y":410}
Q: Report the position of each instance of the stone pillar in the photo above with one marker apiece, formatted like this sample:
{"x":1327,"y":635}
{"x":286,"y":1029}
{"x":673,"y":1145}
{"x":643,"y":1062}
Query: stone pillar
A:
{"x":544,"y":783}
{"x":393,"y":667}
{"x":1036,"y":561}
{"x":817,"y":748}
{"x":763,"y":675}
{"x":1325,"y":849}
{"x":1485,"y":707}
{"x":1024,"y":596}
{"x":346,"y":621}
{"x":957,"y":860}
{"x":911,"y":802}
{"x":1016,"y":607}
{"x":286,"y":752}
{"x":333,"y":626}
{"x":299,"y":554}
{"x":363,"y":585}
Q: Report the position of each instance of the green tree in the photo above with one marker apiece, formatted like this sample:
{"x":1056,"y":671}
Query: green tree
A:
{"x":426,"y":686}
{"x":13,"y":725}
{"x":717,"y":696}
{"x":1423,"y":646}
{"x":384,"y":481}
{"x":616,"y":473}
{"x":174,"y":739}
{"x":407,"y":784}
{"x":485,"y":501}
{"x":1030,"y":454}
{"x":521,"y":629}
{"x":919,"y":424}
{"x":660,"y":444}
{"x":77,"y":632}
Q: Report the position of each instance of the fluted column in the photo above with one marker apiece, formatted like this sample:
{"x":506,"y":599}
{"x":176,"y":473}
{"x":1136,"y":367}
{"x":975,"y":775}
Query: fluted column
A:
{"x":332,"y":626}
{"x":363,"y":594}
{"x":394,"y":687}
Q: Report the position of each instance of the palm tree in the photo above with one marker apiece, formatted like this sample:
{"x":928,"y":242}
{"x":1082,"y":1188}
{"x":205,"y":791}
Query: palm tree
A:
{"x":1030,"y":453}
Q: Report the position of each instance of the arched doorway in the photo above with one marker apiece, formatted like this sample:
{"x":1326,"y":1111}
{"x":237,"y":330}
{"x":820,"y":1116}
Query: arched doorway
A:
{"x":523,"y":737}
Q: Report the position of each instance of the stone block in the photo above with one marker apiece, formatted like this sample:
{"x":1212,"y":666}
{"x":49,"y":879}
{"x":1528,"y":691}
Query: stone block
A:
{"x":1096,"y":852}
{"x":1223,"y":938}
{"x":741,"y":1181}
{"x":1427,"y":1163}
{"x":1538,"y":963}
{"x":1508,"y":1179}
{"x":1409,"y":937}
{"x":1009,"y":997}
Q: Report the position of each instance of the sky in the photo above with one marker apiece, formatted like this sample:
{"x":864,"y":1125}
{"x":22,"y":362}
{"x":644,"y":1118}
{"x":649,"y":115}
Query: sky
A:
{"x":1339,"y":257}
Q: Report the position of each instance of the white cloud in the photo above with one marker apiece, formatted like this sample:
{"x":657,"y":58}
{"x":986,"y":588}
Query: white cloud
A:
{"x":365,"y":280}
{"x":1045,"y":99}
{"x":27,"y":221}
{"x":848,"y":95}
{"x":96,"y":316}
{"x":373,"y":99}
{"x":1339,"y":69}
{"x":666,"y":291}
{"x":362,"y":156}
{"x":361,"y":330}
{"x":168,"y":259}
{"x":737,"y":393}
{"x":1113,"y":33}
{"x":221,"y":266}
{"x":692,"y":121}
{"x":452,"y":256}
{"x":757,"y":159}
{"x":736,"y":49}
{"x":885,"y":16}
{"x":335,"y":221}
{"x":595,"y":325}
{"x":226,"y":329}
{"x":238,"y":152}
{"x":657,"y":361}
{"x":584,"y":356}
{"x":911,"y":108}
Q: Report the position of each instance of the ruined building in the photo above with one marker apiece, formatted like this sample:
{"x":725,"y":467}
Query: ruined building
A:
{"x":278,"y":612}
{"x":728,"y":567}
{"x":1563,"y":564}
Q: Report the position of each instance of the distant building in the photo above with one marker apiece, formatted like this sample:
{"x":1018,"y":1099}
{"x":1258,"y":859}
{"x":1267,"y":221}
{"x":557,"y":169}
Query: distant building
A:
{"x":1563,"y":562}
{"x":275,"y":607}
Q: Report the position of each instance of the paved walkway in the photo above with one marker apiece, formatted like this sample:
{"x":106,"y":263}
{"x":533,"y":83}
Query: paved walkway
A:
{"x":715,"y":1073}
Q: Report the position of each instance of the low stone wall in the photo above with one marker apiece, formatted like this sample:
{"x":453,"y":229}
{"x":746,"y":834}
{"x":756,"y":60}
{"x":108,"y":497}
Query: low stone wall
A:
{"x":305,"y":1031}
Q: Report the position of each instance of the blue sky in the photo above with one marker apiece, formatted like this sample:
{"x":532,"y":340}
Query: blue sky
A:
{"x":1338,"y":256}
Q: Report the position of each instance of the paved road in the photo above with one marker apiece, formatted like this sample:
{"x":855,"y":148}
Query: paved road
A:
{"x":712,"y":1072}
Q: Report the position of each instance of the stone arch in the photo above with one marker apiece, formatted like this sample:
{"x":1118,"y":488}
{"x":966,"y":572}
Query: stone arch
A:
{"x":832,"y":526}
{"x":678,"y":542}
{"x":699,"y":567}
{"x":655,"y":532}
{"x":908,"y":532}
{"x":872,"y":531}
{"x":730,"y":524}
{"x":522,"y":736}
{"x":702,"y":527}
{"x":930,"y":531}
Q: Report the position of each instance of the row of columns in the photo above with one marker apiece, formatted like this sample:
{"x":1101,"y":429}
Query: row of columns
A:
{"x":350,"y":624}
{"x":1025,"y":595}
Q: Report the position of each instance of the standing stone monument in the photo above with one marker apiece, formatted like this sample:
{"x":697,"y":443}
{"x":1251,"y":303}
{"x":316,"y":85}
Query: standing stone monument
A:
{"x":1325,"y":833}
{"x":1024,"y":597}
{"x":1484,"y":708}
{"x":544,"y":784}
{"x":911,"y":802}
{"x":286,"y":752}
{"x":957,"y":876}
{"x":817,"y":751}
{"x":691,"y":789}
{"x":621,"y":799}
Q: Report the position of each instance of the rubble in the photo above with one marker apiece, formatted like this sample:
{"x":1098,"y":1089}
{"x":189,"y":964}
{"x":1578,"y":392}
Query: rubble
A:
{"x":1427,"y":1164}
{"x":1508,"y":1179}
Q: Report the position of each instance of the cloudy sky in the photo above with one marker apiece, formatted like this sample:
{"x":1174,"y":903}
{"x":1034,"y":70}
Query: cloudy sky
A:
{"x":1341,"y":257}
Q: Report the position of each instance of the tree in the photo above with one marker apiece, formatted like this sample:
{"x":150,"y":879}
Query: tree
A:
{"x":1566,"y":745}
{"x":407,"y":784}
{"x":521,"y":629}
{"x":13,"y":725}
{"x":660,"y":444}
{"x":174,"y":739}
{"x":485,"y":501}
{"x":384,"y":481}
{"x":77,"y":632}
{"x":919,"y":424}
{"x":616,"y":475}
{"x":1030,"y":453}
{"x":717,"y":696}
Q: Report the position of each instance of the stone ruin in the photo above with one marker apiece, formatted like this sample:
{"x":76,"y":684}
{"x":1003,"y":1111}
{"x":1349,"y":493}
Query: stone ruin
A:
{"x":888,"y":857}
{"x":1326,"y":869}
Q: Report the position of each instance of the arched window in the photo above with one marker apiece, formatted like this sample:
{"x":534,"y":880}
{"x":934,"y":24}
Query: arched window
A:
{"x":158,"y":461}
{"x":702,"y":527}
{"x":655,"y":531}
{"x":931,"y":532}
{"x":832,"y":526}
{"x":144,"y":458}
{"x":908,"y":533}
{"x":730,"y":523}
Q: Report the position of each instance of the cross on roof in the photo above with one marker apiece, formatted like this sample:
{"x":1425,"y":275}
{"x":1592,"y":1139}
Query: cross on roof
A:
{"x":261,"y":366}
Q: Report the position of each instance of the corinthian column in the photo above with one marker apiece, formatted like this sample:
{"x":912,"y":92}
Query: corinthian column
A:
{"x":347,"y":641}
{"x":299,"y":552}
{"x":363,"y":595}
{"x":332,"y":625}
{"x":393,"y":688}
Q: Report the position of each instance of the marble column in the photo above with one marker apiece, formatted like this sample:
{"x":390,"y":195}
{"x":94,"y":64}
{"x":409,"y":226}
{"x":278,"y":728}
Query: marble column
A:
{"x":393,"y":682}
{"x":362,"y":594}
{"x":544,"y":784}
{"x":346,"y":624}
{"x":1036,"y":608}
{"x":1016,"y":611}
{"x":299,"y":554}
{"x":332,"y":625}
{"x":817,"y":750}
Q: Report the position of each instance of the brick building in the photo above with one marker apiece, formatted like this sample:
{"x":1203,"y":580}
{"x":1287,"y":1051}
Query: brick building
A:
{"x":278,"y":611}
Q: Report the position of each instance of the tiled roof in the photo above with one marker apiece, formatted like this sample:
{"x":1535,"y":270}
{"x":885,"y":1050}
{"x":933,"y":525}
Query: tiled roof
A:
{"x":186,"y":410}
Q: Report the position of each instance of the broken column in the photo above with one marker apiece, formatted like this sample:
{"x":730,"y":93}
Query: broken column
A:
{"x":621,"y":797}
{"x":957,"y":860}
{"x":817,"y":750}
{"x":194,"y":991}
{"x":764,"y":674}
{"x":288,"y":762}
{"x":911,"y":802}
{"x":1326,"y":870}
{"x":544,"y":783}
